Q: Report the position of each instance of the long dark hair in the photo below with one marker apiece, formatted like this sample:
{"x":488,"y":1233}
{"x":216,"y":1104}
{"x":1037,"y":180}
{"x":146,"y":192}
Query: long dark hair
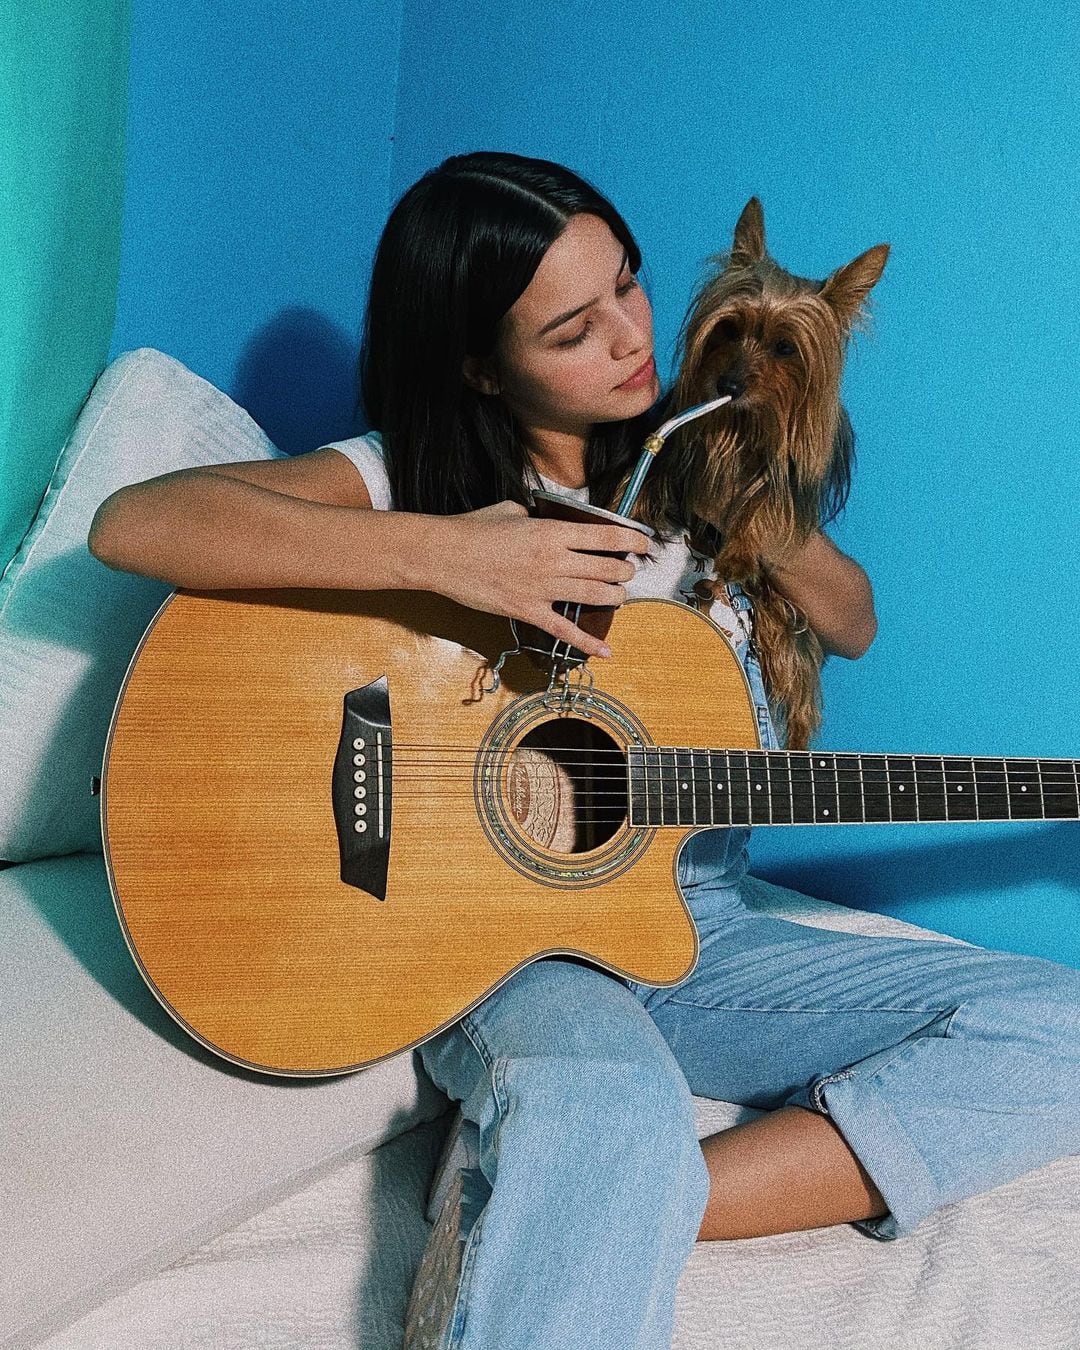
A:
{"x":458,"y":249}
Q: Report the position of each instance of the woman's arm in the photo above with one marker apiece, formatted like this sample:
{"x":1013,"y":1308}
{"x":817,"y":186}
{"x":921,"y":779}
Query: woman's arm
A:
{"x":226,"y":527}
{"x":833,"y":592}
{"x":308,"y":523}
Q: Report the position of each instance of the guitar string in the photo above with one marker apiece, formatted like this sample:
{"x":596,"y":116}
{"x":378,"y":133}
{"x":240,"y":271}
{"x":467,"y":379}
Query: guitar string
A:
{"x":1053,"y":798}
{"x":743,"y":815}
{"x":1064,"y":788}
{"x":854,"y":775}
{"x":995,"y":779}
{"x":741,"y":750}
{"x":741,"y":799}
{"x":1040,"y":764}
{"x":982,"y":779}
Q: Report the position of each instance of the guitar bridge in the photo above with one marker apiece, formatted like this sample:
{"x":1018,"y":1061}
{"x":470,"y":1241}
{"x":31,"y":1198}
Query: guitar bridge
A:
{"x":361,"y":788}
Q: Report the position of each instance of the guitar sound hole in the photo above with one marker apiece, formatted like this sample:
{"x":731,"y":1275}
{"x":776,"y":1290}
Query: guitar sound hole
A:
{"x":567,"y":785}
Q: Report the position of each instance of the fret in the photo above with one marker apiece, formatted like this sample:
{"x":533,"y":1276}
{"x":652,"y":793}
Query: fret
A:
{"x":991,"y":789}
{"x":703,"y":805}
{"x":739,"y":780}
{"x":826,"y":805}
{"x":875,"y":788}
{"x":637,"y":796}
{"x":780,"y":786}
{"x":1025,"y":799}
{"x":654,"y":807}
{"x":684,"y":774}
{"x":802,"y":790}
{"x":903,"y":796}
{"x":930,"y":792}
{"x":758,"y":774}
{"x":720,"y":781}
{"x":963,"y":802}
{"x":849,"y":788}
{"x":669,"y":787}
{"x":1059,"y":793}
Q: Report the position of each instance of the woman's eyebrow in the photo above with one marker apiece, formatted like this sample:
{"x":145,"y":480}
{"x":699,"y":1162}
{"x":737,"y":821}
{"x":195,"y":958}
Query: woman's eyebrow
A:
{"x":571,"y":313}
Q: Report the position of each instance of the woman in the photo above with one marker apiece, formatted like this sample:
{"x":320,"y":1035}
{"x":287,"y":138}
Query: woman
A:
{"x":509,"y":345}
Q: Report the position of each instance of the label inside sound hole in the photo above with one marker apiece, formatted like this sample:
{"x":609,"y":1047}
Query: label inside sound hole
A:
{"x":566,"y":785}
{"x":542,"y":799}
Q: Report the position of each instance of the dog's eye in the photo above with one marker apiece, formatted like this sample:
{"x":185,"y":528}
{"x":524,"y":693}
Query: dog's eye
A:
{"x":784,"y":348}
{"x":727,"y":330}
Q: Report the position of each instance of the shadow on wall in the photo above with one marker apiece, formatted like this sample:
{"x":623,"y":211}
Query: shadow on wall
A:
{"x":298,"y":378}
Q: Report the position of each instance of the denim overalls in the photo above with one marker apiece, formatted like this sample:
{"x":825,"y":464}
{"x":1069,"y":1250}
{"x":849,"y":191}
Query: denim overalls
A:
{"x":722,"y":853}
{"x":577,"y":1181}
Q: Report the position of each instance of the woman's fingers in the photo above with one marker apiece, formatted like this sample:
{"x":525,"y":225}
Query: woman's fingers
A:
{"x":601,"y":567}
{"x":504,"y":561}
{"x":566,"y":631}
{"x":603,"y":538}
{"x":580,"y":591}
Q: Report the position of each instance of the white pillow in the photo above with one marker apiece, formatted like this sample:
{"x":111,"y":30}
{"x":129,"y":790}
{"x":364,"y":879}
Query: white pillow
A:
{"x":68,"y":623}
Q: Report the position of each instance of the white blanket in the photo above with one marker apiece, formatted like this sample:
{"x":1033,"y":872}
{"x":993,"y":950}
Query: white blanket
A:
{"x":331,"y":1267}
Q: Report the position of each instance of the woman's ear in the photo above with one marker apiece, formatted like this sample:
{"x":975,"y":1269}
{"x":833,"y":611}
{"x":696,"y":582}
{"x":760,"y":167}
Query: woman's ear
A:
{"x":478,"y":375}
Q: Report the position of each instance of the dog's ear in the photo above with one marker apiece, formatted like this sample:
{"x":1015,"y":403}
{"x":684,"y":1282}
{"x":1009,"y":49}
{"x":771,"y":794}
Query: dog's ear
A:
{"x":749,"y":245}
{"x":847,"y":287}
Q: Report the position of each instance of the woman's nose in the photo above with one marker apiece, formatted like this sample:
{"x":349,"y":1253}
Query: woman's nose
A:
{"x":631,"y":336}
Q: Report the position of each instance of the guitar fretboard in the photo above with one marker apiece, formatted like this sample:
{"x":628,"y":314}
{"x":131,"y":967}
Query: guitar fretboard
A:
{"x":669,"y":785}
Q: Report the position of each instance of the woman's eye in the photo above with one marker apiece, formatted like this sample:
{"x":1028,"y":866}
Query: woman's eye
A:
{"x":573,"y":342}
{"x":624,"y":289}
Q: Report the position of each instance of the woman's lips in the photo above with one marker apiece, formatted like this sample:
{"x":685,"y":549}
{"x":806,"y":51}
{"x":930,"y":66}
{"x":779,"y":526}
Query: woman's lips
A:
{"x":640,"y":376}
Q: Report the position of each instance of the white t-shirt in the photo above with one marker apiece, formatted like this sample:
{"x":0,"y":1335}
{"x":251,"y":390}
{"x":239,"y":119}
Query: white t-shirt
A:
{"x":672,"y":576}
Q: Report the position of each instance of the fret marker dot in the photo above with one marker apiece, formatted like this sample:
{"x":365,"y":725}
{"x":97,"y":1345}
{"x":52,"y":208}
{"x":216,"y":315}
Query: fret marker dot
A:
{"x":757,"y":787}
{"x":960,"y":787}
{"x":1023,"y":789}
{"x":719,"y":787}
{"x":825,"y":811}
{"x":901,"y":787}
{"x":683,"y":786}
{"x":821,"y":763}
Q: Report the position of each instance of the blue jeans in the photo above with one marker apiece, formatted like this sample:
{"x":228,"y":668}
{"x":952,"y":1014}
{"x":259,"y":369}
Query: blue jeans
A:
{"x":948,"y":1068}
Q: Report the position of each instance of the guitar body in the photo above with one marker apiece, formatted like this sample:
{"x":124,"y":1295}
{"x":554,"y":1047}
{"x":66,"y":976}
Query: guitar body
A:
{"x":227,"y":793}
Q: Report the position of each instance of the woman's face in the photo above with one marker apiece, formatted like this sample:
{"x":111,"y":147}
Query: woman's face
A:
{"x":580,"y":329}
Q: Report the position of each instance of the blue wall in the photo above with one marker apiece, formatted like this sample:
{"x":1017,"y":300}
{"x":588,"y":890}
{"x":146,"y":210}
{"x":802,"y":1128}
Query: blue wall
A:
{"x":259,"y":145}
{"x":252,"y":217}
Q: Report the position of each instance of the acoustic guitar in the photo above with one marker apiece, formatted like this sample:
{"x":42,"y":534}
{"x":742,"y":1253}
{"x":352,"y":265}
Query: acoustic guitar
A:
{"x":331,"y":829}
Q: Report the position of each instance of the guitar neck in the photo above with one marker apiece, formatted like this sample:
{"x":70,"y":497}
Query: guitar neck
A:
{"x":672,"y":785}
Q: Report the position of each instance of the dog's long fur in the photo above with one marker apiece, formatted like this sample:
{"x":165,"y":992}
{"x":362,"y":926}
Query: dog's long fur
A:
{"x":760,"y":475}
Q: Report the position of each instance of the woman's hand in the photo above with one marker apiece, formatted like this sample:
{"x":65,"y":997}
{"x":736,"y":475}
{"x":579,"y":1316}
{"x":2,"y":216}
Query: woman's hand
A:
{"x":504,"y":561}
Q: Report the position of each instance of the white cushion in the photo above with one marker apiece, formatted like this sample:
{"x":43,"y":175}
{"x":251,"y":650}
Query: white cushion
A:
{"x":68,"y":623}
{"x":124,"y":1144}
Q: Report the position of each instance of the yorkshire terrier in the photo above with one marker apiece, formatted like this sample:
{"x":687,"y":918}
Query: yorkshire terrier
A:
{"x":761,"y":474}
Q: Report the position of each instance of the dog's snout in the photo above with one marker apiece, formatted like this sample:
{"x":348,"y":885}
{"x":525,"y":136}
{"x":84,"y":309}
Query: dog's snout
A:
{"x":730,"y":384}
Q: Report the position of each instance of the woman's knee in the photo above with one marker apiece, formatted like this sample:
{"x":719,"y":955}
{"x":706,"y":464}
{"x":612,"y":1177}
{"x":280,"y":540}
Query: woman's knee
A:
{"x":1034,"y":980}
{"x":561,"y":1006}
{"x":568,"y":1070}
{"x":1027,"y":998}
{"x":629,"y":1116}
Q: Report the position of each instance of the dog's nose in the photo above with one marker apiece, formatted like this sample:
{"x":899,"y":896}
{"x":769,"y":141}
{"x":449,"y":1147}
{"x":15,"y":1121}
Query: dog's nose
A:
{"x":730,"y":384}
